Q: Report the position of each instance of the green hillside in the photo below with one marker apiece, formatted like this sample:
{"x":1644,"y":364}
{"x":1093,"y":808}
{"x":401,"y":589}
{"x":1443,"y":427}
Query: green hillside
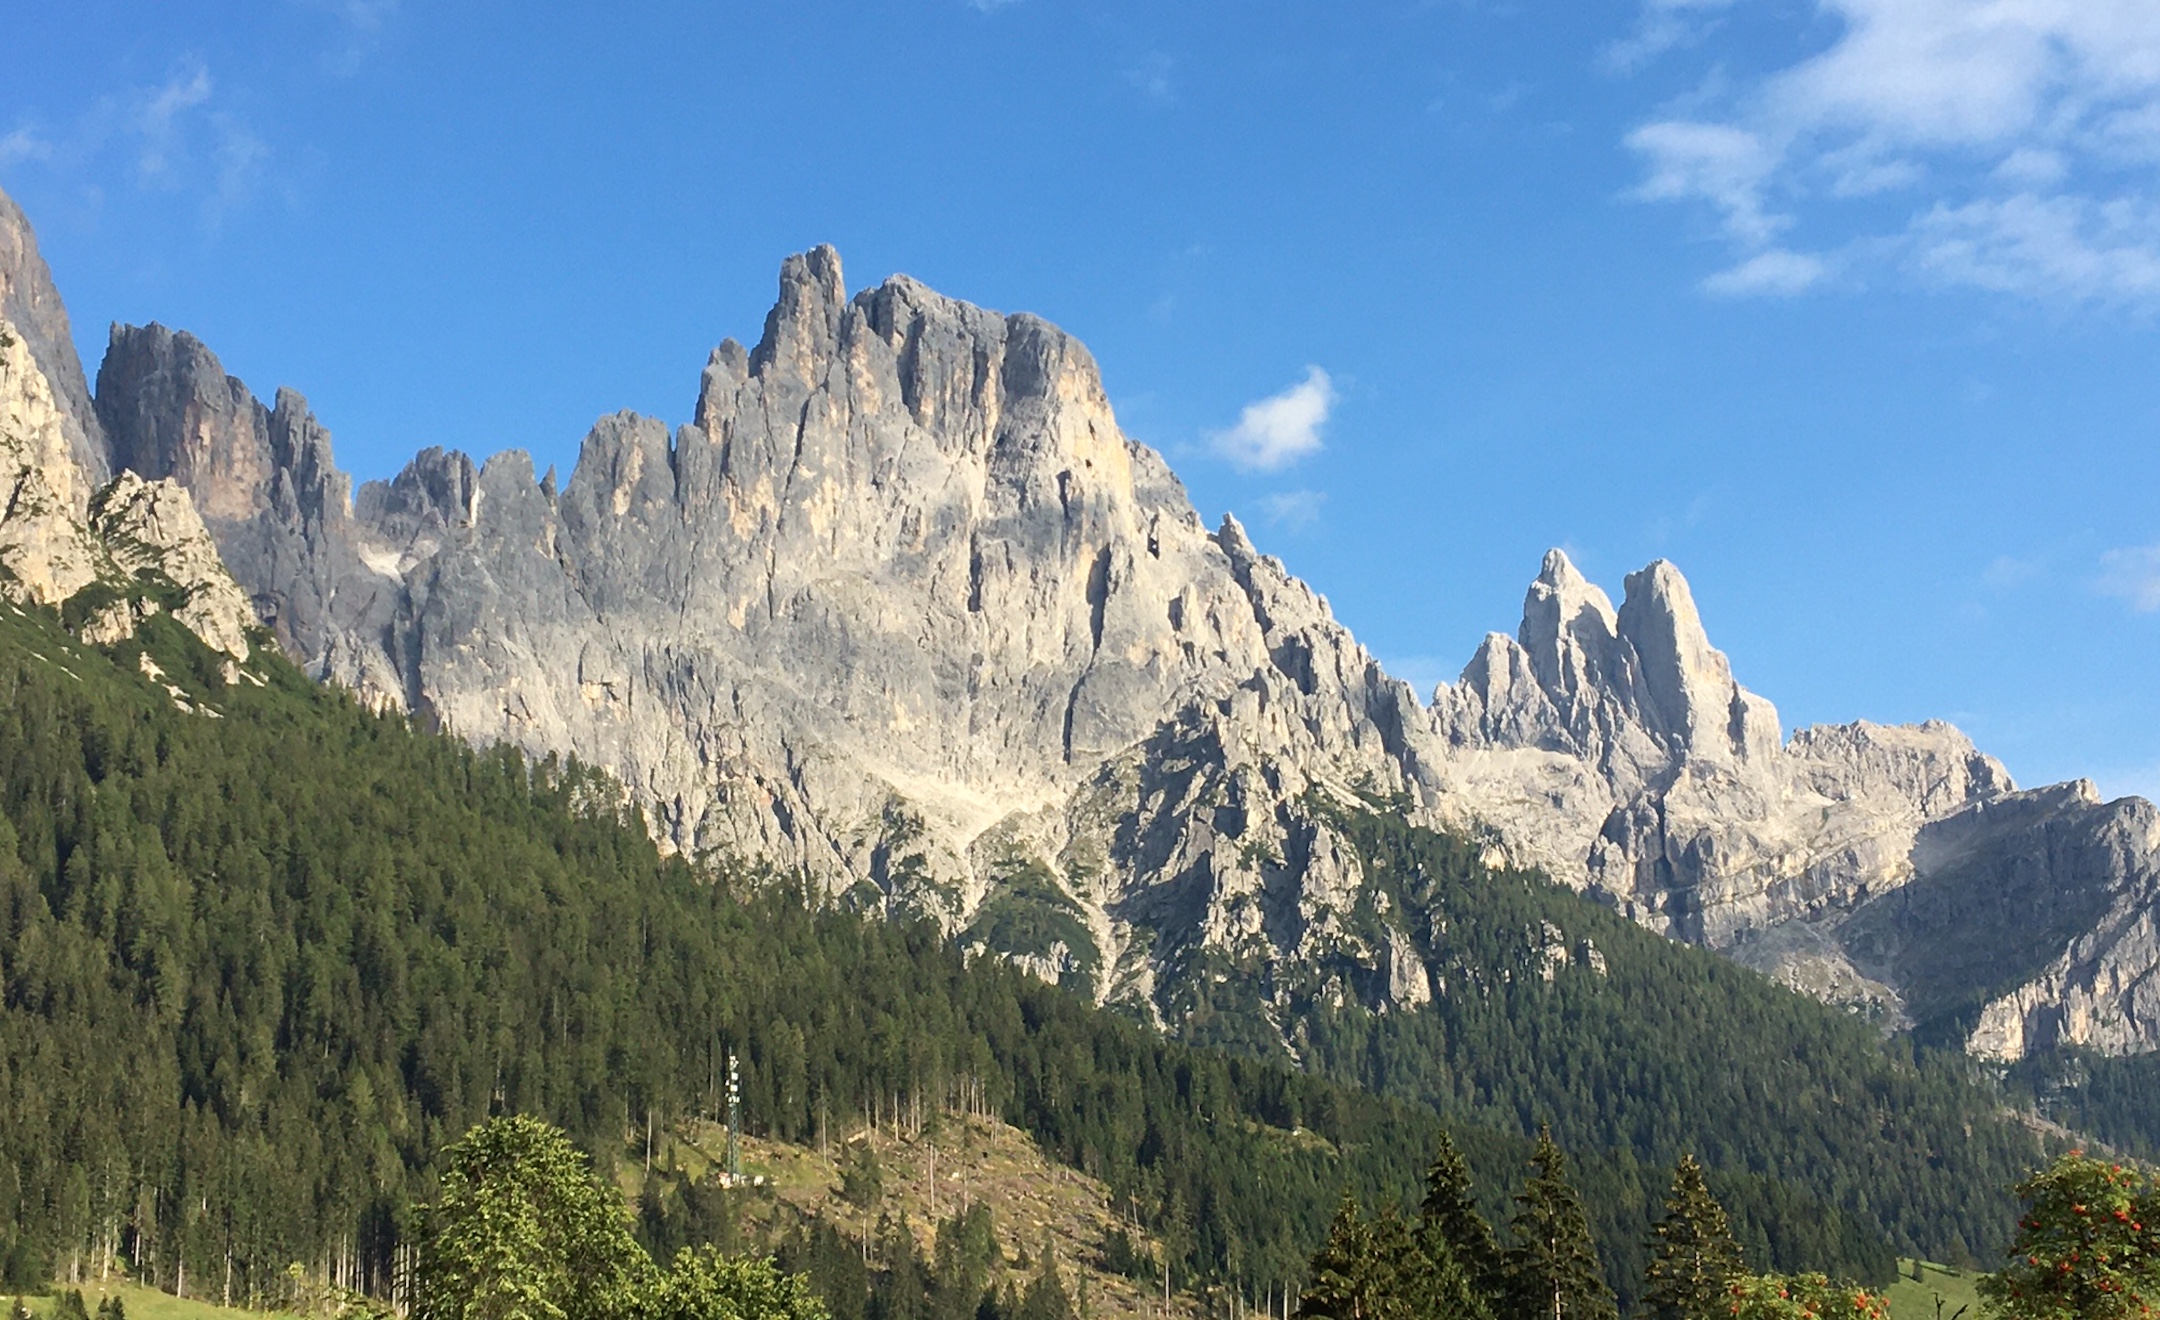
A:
{"x":259,"y":967}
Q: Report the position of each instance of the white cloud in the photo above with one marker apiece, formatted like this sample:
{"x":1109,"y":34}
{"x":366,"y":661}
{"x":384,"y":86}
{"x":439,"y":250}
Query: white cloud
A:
{"x":2019,"y":135}
{"x":2007,"y":573}
{"x":1718,"y":163}
{"x":179,"y":136}
{"x":158,"y":118}
{"x":1663,"y":25}
{"x":22,"y":144}
{"x":1777,"y":271}
{"x":2133,"y":573}
{"x":1152,"y":77}
{"x":1294,"y":509}
{"x":2044,"y":246}
{"x":1280,"y":429}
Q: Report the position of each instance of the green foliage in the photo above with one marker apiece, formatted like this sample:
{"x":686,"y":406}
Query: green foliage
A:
{"x":967,"y":1251}
{"x":1355,"y":1274}
{"x":1827,"y":1145}
{"x":1026,"y":913}
{"x":2116,"y":1100}
{"x":1693,"y":1258}
{"x":1552,"y":1269}
{"x":705,"y":1285}
{"x":68,"y":1305}
{"x":1451,"y":1219}
{"x":256,"y":971}
{"x":2088,"y":1247}
{"x":862,"y":1178}
{"x":522,"y":1231}
{"x":1802,"y":1297}
{"x":1046,"y":1298}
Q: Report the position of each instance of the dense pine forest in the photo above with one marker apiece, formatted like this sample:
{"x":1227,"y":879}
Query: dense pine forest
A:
{"x":264,"y":960}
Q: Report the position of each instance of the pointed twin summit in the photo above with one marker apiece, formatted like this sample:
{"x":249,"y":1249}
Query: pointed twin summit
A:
{"x":903,"y":609}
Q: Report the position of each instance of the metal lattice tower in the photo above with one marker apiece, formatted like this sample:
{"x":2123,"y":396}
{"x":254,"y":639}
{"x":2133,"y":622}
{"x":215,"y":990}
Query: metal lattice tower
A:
{"x":734,"y":1123}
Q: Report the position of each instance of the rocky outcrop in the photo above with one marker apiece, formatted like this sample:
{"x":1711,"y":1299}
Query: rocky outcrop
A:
{"x":2052,"y":897}
{"x":63,"y":529}
{"x":47,"y":553}
{"x":261,"y":478}
{"x":152,"y":533}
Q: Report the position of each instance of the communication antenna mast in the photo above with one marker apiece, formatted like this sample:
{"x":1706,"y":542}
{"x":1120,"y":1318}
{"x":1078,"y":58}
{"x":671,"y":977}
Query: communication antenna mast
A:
{"x":734,"y":1123}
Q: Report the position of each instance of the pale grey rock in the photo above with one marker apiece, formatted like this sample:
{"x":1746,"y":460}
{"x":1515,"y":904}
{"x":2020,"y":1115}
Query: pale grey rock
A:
{"x":151,"y":531}
{"x":1894,"y":869}
{"x":261,"y":478}
{"x":32,"y":306}
{"x":47,"y":552}
{"x":2050,"y":896}
{"x":903,"y":610}
{"x":57,"y":538}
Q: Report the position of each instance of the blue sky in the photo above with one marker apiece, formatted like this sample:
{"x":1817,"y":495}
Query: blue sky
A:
{"x":1845,"y":306}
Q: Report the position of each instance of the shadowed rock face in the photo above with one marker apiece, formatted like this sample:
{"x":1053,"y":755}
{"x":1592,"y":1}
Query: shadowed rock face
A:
{"x":58,"y":538}
{"x":903,"y":609}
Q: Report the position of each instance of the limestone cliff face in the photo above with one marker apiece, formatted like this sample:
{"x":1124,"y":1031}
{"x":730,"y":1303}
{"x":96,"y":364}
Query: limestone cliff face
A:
{"x":1896,"y":869}
{"x":140,"y":539}
{"x":63,"y":528}
{"x":32,"y":307}
{"x":904,"y":610}
{"x":47,"y":553}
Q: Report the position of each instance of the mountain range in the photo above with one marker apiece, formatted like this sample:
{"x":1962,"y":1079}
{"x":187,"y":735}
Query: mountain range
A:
{"x":903,"y":610}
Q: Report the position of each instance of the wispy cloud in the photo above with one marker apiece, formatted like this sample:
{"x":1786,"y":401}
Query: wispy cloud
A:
{"x":1280,"y":429}
{"x":159,"y":116}
{"x":177,"y":136}
{"x":361,"y":25}
{"x":23,"y":144}
{"x":2008,"y":572}
{"x":2132,"y":574}
{"x":1662,"y":25}
{"x":1151,"y":76}
{"x":1294,"y":510}
{"x":1776,"y":271}
{"x":2021,"y":137}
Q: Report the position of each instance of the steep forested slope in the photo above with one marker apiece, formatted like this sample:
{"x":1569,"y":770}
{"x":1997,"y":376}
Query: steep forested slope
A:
{"x":260,"y":960}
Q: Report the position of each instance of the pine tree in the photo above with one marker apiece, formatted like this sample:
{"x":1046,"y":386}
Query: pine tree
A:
{"x":1348,"y":1275}
{"x":1553,"y":1270}
{"x":1693,"y":1258}
{"x":1433,"y":1283}
{"x":1451,"y":1216}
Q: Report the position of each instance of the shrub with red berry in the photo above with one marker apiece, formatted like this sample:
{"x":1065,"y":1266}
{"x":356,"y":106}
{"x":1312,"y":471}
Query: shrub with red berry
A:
{"x":1804,"y":1297}
{"x":2088,"y":1247}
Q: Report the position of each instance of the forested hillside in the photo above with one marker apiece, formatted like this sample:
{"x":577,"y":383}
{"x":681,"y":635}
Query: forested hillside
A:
{"x":262,"y":960}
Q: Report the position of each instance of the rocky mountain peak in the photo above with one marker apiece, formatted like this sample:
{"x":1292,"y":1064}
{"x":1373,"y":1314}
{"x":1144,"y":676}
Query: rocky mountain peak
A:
{"x":1686,"y":696}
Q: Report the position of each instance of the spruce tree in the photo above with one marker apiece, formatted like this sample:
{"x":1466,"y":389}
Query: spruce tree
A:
{"x":1552,"y":1269}
{"x":1693,"y":1258}
{"x":1450,"y":1216}
{"x":1348,"y":1275}
{"x":1433,"y":1283}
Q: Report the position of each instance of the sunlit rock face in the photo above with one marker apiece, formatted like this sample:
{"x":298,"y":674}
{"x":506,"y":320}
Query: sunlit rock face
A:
{"x":902,"y":609}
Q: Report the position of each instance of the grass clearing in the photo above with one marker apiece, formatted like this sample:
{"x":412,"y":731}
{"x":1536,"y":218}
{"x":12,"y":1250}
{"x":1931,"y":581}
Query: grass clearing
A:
{"x":147,"y":1304}
{"x":1937,"y":1294}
